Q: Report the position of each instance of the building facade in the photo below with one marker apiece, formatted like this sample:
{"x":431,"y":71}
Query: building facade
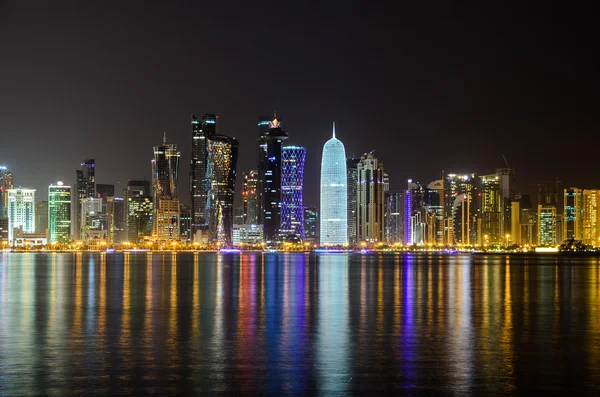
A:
{"x":370,"y":199}
{"x":41,"y":217}
{"x":572,"y":222}
{"x":292,"y":178}
{"x":86,"y":187}
{"x":394,"y":216}
{"x":165,"y":169}
{"x":139,"y":209}
{"x":59,"y":213}
{"x":311,"y":222}
{"x":21,"y":212}
{"x":352,"y":186}
{"x":333,"y":194}
{"x":250,"y":197}
{"x":591,"y":217}
{"x":546,"y":229}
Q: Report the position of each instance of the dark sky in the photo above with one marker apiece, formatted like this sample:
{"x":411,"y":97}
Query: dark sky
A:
{"x":429,"y":87}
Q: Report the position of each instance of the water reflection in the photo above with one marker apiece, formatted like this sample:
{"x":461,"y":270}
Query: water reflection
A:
{"x":295,"y":323}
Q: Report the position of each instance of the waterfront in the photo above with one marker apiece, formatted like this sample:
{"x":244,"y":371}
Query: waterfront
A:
{"x":84,"y":323}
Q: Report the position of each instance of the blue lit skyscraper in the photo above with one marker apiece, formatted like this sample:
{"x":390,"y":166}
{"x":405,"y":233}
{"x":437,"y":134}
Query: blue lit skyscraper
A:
{"x":292,"y":174}
{"x":334,"y":196}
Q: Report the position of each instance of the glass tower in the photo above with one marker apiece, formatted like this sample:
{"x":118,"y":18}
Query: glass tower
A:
{"x":138,"y":211}
{"x":334,"y":195}
{"x":165,"y":167}
{"x":222,"y":161}
{"x":59,"y":213}
{"x":21,"y":211}
{"x":202,"y":131}
{"x":352,"y":184}
{"x":263,"y":125}
{"x":292,"y":175}
{"x":250,"y":197}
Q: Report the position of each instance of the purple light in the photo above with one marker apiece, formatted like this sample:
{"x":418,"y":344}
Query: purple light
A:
{"x":230,"y":251}
{"x":331,"y":251}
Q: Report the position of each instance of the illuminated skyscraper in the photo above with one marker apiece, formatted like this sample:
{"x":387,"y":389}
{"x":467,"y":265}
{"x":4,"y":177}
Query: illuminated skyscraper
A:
{"x":59,"y":213}
{"x":117,"y":215}
{"x":21,"y":211}
{"x":263,"y":125}
{"x":272,"y":180}
{"x":573,"y":214}
{"x":370,"y":199}
{"x":250,"y":197}
{"x":334,"y":194}
{"x":491,"y":209}
{"x":546,"y":226}
{"x":6,"y":182}
{"x":456,"y":185}
{"x":165,"y":168}
{"x":41,"y":217}
{"x":292,"y":176}
{"x":393,"y":215}
{"x":138,"y":211}
{"x":352,"y":186}
{"x":591,"y":217}
{"x":433,"y":202}
{"x":506,"y":180}
{"x":199,"y":177}
{"x":86,"y":187}
{"x":222,"y":162}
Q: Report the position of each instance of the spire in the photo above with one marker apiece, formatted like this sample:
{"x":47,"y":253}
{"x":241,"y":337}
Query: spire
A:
{"x":334,"y":130}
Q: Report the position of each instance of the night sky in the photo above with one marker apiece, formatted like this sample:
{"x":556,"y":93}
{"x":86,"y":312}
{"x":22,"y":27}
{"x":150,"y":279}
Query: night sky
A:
{"x":428,"y":87}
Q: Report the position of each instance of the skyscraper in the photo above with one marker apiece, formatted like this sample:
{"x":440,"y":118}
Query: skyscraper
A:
{"x":506,"y":179}
{"x":370,"y":199}
{"x":491,"y":209}
{"x":591,"y":217}
{"x":393,"y":215}
{"x":573,"y":214}
{"x":292,"y":209}
{"x":6,"y":182}
{"x":263,"y":125}
{"x":547,"y":215}
{"x":250,"y":197}
{"x":21,"y":211}
{"x":41,"y":216}
{"x":199,"y":177}
{"x":272,"y":180}
{"x":165,"y":168}
{"x":222,"y":162}
{"x":456,"y":185}
{"x":434,"y":205}
{"x":59,"y":213}
{"x":334,"y":194}
{"x":115,"y":209}
{"x":352,"y":186}
{"x":139,"y":211}
{"x":86,"y":187}
{"x":414,"y":214}
{"x":311,"y":218}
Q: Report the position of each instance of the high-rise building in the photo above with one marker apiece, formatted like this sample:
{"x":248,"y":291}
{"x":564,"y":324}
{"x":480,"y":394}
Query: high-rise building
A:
{"x":352,"y":187}
{"x":103,"y":191}
{"x":393,"y":215}
{"x":546,"y":225}
{"x":272,"y":180}
{"x":263,"y":126}
{"x":59,"y":213}
{"x":185,"y":223}
{"x":370,"y":199}
{"x":491,"y":209}
{"x":572,"y":222}
{"x":94,"y":222}
{"x":3,"y":232}
{"x":222,"y":163}
{"x":139,"y":211}
{"x":202,"y":131}
{"x":250,"y":197}
{"x":86,"y":187}
{"x":334,"y":194}
{"x":41,"y":217}
{"x":21,"y":211}
{"x":515,"y":219}
{"x":165,"y":168}
{"x":311,"y":219}
{"x":292,"y":177}
{"x":591,"y":217}
{"x":414,"y":214}
{"x":456,"y":186}
{"x":461,"y":219}
{"x":506,"y":180}
{"x":117,"y":215}
{"x":6,"y":183}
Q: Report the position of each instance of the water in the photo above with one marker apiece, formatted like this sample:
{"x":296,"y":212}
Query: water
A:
{"x":293,"y":324}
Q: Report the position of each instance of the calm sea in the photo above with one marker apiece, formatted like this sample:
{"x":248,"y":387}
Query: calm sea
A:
{"x":289,"y":324}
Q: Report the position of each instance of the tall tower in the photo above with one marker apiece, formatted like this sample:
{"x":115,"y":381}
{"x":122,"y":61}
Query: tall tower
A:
{"x":139,"y":208}
{"x":165,"y":168}
{"x":21,"y":211}
{"x":352,"y":186}
{"x":59,"y":213}
{"x":591,"y":217}
{"x":202,"y":131}
{"x":86,"y":187}
{"x":292,"y":211}
{"x":263,"y":126}
{"x":222,"y":162}
{"x":250,"y":197}
{"x":370,"y":199}
{"x":491,"y":210}
{"x":272,"y":180}
{"x":573,"y":214}
{"x":334,"y":194}
{"x":6,"y":182}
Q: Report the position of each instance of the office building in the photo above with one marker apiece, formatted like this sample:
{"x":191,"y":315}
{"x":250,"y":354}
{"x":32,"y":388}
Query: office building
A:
{"x":185,"y":223}
{"x":3,"y":232}
{"x":515,"y":219}
{"x":414,"y":214}
{"x":263,"y":127}
{"x":591,"y":217}
{"x":21,"y":212}
{"x":250,"y":197}
{"x":491,"y":210}
{"x":456,"y":186}
{"x":59,"y":213}
{"x":311,"y":220}
{"x":334,"y":194}
{"x":222,"y":163}
{"x":139,"y":208}
{"x":292,"y":177}
{"x":41,"y":217}
{"x":546,"y":226}
{"x":273,"y":139}
{"x":370,"y":199}
{"x":506,"y":180}
{"x":117,"y":215}
{"x":433,"y":202}
{"x":247,"y":234}
{"x":165,"y":168}
{"x":394,"y":216}
{"x":93,"y":219}
{"x":86,"y":187}
{"x":352,"y":186}
{"x":202,"y":131}
{"x":6,"y":183}
{"x":572,"y":220}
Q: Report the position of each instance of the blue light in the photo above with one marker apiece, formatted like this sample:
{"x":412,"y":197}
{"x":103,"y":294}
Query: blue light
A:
{"x":263,"y":123}
{"x":331,"y":251}
{"x":210,"y":121}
